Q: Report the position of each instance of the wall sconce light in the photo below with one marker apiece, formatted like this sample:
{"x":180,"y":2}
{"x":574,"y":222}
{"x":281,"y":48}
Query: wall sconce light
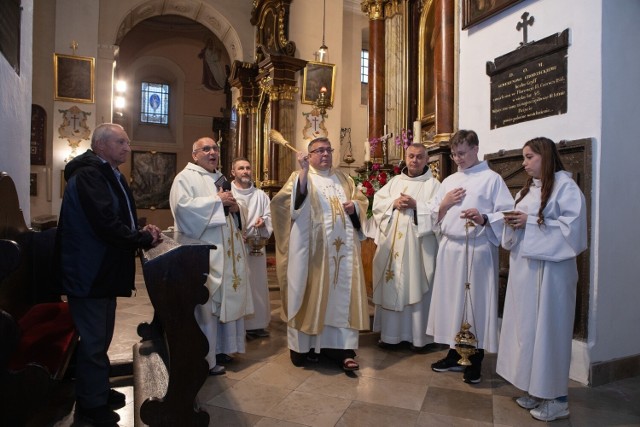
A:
{"x":119,"y":100}
{"x":323,"y":52}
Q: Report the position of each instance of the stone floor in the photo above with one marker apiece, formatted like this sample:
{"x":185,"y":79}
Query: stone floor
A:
{"x":392,"y":388}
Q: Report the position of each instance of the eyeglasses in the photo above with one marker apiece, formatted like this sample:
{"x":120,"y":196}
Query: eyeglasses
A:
{"x":321,"y":151}
{"x":207,"y":148}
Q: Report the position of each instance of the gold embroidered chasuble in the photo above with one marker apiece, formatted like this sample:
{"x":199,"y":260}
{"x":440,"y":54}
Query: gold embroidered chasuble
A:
{"x":318,"y":255}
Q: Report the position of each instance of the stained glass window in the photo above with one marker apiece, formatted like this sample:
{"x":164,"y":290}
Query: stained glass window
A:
{"x":154,"y":105}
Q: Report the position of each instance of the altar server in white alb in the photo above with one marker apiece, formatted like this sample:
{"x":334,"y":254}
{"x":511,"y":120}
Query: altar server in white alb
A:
{"x":477,"y":195}
{"x":317,"y":219}
{"x":405,"y":259}
{"x":545,"y":234}
{"x":257,"y":223}
{"x":204,"y":208}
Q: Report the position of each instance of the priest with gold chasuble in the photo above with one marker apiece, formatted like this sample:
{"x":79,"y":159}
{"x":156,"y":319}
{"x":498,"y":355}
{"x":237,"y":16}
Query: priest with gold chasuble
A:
{"x":317,"y":219}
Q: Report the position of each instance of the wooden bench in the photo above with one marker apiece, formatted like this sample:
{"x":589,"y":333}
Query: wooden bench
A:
{"x":37,"y":335}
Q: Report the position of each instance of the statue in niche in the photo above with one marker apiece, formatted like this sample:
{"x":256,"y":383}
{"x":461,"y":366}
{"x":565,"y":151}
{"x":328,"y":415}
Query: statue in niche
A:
{"x":213,"y":71}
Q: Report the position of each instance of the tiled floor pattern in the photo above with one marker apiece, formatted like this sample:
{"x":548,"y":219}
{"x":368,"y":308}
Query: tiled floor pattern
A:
{"x":392,"y":388}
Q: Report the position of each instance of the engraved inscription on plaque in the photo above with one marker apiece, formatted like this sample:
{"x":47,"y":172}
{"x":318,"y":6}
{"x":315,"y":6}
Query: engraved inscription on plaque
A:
{"x":530,"y":83}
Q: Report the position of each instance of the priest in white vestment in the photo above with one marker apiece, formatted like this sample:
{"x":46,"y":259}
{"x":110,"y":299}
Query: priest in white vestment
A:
{"x":203,"y":209}
{"x":475,"y":195}
{"x":545,"y":234}
{"x":257,"y":224}
{"x":317,"y":219}
{"x":405,"y":258}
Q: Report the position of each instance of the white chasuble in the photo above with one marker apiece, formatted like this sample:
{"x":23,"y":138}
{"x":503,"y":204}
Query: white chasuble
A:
{"x":404,"y":262}
{"x":199,"y":214}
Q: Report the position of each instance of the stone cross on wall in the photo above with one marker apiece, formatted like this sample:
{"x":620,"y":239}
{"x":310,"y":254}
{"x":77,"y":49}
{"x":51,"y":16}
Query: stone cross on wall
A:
{"x":523,"y":26}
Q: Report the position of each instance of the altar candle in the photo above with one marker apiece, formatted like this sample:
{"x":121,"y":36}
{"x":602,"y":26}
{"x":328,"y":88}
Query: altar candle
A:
{"x":384,"y":132}
{"x":417,"y":131}
{"x":367,"y":151}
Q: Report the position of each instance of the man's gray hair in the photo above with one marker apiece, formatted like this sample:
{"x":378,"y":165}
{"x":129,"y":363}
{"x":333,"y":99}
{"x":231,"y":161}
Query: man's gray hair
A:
{"x":102,"y":132}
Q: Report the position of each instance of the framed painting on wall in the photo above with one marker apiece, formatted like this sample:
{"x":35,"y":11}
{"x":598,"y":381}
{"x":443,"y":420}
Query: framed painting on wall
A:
{"x":475,"y":11}
{"x":318,"y":75}
{"x":73,"y":78}
{"x":152,"y":174}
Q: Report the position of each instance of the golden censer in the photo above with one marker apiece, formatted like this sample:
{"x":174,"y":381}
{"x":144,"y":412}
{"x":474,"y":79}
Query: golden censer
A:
{"x":466,"y":342}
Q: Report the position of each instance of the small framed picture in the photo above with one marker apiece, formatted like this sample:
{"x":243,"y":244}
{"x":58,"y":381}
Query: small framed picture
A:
{"x":318,"y":75}
{"x":475,"y":11}
{"x":73,"y":78}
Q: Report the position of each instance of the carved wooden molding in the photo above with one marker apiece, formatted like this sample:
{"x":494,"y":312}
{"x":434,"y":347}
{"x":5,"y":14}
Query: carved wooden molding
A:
{"x":271,"y":19}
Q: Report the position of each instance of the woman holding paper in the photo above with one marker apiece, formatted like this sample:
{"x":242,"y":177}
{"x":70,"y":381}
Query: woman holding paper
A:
{"x":545,"y":233}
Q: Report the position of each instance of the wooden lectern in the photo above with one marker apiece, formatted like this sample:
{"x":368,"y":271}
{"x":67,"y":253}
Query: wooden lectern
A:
{"x":169,"y":363}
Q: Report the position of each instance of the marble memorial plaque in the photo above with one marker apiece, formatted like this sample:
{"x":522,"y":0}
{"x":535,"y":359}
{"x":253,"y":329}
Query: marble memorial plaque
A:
{"x":529,"y":83}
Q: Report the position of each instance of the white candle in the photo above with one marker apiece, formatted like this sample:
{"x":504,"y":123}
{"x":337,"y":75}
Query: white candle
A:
{"x":384,"y":132}
{"x":367,"y":151}
{"x":417,"y":131}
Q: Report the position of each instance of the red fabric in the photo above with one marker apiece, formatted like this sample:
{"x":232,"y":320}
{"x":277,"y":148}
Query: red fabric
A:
{"x":47,"y":333}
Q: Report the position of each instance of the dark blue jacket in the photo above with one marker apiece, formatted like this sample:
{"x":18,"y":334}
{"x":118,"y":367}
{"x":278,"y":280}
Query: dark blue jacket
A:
{"x":96,"y":245}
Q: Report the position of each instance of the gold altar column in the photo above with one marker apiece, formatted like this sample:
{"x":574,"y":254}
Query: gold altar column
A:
{"x":243,"y":130}
{"x":444,"y":71}
{"x":375,"y":10}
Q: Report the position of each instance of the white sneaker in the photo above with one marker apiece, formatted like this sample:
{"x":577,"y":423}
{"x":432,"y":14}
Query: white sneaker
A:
{"x":528,"y":402}
{"x":550,"y":410}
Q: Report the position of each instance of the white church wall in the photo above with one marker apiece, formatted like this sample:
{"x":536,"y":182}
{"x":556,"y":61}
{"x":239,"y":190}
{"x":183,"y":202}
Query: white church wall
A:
{"x":498,"y":36}
{"x":305,"y":29}
{"x":617,"y":294}
{"x":75,"y":21}
{"x":15,"y":112}
{"x":354,"y":114}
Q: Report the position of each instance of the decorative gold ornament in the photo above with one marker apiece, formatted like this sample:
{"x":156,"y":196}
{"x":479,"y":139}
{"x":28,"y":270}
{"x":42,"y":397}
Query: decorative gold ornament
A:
{"x":322,"y":102}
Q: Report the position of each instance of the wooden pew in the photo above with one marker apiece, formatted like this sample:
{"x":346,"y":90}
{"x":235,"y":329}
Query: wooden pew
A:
{"x":169,"y":365}
{"x":37,"y":335}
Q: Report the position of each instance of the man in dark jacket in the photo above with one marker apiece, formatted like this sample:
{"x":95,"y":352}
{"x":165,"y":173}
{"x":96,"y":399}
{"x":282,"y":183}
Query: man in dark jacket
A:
{"x":97,"y":239}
